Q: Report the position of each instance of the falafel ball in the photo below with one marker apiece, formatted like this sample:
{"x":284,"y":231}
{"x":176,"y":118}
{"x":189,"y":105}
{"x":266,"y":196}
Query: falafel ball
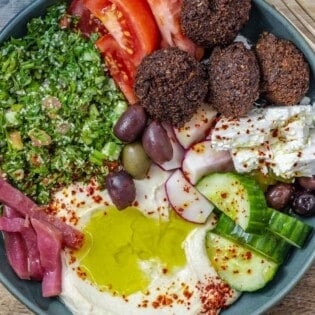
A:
{"x":285,"y":72}
{"x":210,"y":23}
{"x":234,"y":80}
{"x":171,"y":85}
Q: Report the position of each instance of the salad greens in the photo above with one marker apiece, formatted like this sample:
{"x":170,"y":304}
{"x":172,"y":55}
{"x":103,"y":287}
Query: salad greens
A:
{"x":57,"y":108}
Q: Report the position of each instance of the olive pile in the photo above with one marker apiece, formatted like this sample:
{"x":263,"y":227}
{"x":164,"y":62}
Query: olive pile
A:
{"x":300,"y":196}
{"x":146,"y":141}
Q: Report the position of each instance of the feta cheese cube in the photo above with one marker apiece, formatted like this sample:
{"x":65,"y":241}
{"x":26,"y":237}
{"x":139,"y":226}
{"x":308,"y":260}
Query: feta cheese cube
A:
{"x":280,"y":139}
{"x":248,"y":159}
{"x":249,"y":131}
{"x":279,"y":115}
{"x":294,"y":163}
{"x":295,"y":130}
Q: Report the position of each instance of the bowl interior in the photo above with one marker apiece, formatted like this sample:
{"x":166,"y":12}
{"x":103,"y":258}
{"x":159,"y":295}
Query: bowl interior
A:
{"x":263,"y":18}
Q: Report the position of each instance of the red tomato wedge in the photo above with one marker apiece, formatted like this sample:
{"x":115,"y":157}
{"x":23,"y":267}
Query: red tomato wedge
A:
{"x":120,"y":67}
{"x":87,"y":23}
{"x":167,"y":16}
{"x":131,"y":24}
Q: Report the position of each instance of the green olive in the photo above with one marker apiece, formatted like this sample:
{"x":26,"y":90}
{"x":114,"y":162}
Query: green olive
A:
{"x":135,"y":161}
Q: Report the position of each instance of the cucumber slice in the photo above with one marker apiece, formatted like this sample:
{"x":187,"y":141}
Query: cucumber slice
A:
{"x":239,"y":197}
{"x":291,"y":229}
{"x":267,"y":244}
{"x":239,"y":267}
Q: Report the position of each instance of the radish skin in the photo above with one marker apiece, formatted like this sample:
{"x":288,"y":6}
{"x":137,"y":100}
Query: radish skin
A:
{"x":186,"y":200}
{"x":201,"y":159}
{"x":197,"y":128}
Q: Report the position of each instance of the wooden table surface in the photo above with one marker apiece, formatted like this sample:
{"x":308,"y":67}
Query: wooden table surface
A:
{"x":301,"y":300}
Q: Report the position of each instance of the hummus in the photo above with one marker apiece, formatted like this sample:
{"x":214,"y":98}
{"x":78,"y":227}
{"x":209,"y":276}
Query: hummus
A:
{"x":142,"y":260}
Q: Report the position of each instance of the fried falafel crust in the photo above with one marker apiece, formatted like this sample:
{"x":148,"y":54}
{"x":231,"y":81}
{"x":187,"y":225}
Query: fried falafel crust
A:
{"x":210,"y":23}
{"x":171,"y":85}
{"x":285,"y":72}
{"x":234,"y":80}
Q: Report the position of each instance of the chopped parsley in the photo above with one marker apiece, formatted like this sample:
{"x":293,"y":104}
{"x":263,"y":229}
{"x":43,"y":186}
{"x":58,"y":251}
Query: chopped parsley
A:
{"x":57,"y":109}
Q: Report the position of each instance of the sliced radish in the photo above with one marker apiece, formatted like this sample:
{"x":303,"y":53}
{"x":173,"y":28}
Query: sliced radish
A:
{"x":178,"y":151}
{"x":202,"y":159}
{"x":197,"y":128}
{"x":186,"y":200}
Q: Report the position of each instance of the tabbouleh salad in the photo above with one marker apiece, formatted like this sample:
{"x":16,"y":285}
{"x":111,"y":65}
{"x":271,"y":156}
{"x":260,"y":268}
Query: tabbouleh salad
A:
{"x":57,"y":108}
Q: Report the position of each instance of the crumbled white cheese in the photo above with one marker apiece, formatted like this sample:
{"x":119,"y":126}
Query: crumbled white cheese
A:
{"x":281,"y":115}
{"x":280,"y":139}
{"x":294,"y":163}
{"x":249,"y":159}
{"x":248,"y":131}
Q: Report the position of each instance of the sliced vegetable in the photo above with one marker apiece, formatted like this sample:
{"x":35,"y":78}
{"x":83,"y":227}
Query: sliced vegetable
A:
{"x":239,"y":197}
{"x":49,"y":241}
{"x":178,"y":151}
{"x":15,"y":249}
{"x":12,"y":225}
{"x":242,"y":268}
{"x":34,"y":263}
{"x":201,"y":159}
{"x":197,"y":128}
{"x":87,"y":23}
{"x":292,"y":230}
{"x":120,"y":67}
{"x":167,"y":16}
{"x":131,"y":24}
{"x":186,"y":200}
{"x":28,"y":242}
{"x":15,"y":199}
{"x":267,"y":244}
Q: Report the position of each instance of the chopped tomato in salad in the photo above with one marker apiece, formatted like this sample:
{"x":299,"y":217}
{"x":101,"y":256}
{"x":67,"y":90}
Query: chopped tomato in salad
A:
{"x":167,"y":16}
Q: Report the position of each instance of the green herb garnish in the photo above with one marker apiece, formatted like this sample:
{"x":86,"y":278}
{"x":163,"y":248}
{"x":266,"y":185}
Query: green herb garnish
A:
{"x":57,"y":108}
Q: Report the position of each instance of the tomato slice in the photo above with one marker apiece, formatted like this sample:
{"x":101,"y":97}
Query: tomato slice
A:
{"x":167,"y":16}
{"x":131,"y":24}
{"x":119,"y":65}
{"x":87,"y":23}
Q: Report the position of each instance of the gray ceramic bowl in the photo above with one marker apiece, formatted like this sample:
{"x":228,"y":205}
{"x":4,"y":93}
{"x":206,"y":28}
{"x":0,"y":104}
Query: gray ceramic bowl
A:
{"x":263,"y":18}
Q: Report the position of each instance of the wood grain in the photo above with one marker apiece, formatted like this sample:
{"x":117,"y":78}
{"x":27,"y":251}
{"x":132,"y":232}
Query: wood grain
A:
{"x":301,"y":299}
{"x":301,"y":13}
{"x":11,"y":306}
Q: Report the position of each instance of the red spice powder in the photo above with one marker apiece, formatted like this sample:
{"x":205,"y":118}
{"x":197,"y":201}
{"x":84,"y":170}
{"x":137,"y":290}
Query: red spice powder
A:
{"x":162,"y":300}
{"x":214,"y":295}
{"x":186,"y":188}
{"x":97,"y":198}
{"x":81,"y":274}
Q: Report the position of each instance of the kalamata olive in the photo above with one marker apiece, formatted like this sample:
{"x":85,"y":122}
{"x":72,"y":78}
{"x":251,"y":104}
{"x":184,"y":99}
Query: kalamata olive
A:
{"x":130,"y":124}
{"x":121,"y":189}
{"x":278,"y":196}
{"x":304,"y":204}
{"x":156,"y":143}
{"x":135,"y":160}
{"x":307,"y":182}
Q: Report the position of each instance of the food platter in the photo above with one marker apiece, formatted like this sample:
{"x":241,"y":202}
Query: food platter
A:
{"x":263,"y":18}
